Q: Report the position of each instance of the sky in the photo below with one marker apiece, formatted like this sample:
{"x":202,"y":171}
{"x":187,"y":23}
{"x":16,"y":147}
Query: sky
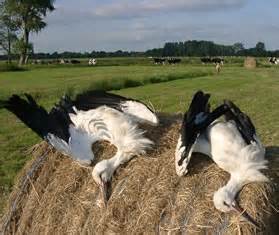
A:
{"x":138,"y":25}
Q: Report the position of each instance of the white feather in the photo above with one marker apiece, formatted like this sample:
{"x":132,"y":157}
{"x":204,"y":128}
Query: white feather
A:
{"x":139,"y":112}
{"x":103,"y":123}
{"x":224,"y":144}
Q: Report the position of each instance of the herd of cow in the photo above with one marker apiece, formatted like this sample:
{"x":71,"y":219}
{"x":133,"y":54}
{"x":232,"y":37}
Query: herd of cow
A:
{"x":64,"y":61}
{"x":164,"y":60}
{"x":204,"y":60}
{"x":156,"y":60}
{"x":209,"y":60}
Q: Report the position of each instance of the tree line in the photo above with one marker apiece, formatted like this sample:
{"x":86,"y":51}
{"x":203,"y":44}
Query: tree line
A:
{"x":170,"y":49}
{"x":208,"y":48}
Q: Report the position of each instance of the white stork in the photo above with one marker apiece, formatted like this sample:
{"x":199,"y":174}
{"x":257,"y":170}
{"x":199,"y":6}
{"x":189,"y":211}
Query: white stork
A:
{"x":72,"y":126}
{"x":232,"y":144}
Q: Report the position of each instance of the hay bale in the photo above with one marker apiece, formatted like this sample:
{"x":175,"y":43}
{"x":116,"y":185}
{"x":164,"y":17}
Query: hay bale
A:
{"x":60,"y":197}
{"x":250,"y":63}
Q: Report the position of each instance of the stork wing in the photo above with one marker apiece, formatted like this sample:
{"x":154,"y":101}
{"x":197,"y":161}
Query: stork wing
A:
{"x":29,"y":112}
{"x":37,"y":118}
{"x":134,"y":108}
{"x":55,"y":127}
{"x":192,"y":125}
{"x":242,"y":120}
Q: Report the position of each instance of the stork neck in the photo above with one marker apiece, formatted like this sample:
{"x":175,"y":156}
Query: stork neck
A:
{"x":115,"y":161}
{"x":118,"y":159}
{"x":234,"y":185}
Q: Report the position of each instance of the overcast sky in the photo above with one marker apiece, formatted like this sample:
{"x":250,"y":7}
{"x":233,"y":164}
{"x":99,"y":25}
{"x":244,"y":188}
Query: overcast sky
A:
{"x":110,"y":25}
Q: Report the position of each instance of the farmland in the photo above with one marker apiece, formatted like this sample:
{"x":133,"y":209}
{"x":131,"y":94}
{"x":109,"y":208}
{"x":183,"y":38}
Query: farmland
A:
{"x":168,"y":88}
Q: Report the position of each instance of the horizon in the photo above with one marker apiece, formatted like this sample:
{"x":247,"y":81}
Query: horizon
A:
{"x":144,"y":51}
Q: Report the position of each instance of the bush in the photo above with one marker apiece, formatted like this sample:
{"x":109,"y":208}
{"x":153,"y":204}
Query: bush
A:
{"x":132,"y":83}
{"x":121,"y":83}
{"x":10,"y":68}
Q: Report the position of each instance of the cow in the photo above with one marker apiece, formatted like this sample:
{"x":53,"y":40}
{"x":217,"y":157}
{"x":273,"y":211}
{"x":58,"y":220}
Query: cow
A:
{"x":159,"y":60}
{"x":218,"y":68}
{"x":174,"y":60}
{"x":206,"y":60}
{"x":56,"y":61}
{"x":217,"y":60}
{"x":73,"y":61}
{"x":92,"y":62}
{"x":273,"y":60}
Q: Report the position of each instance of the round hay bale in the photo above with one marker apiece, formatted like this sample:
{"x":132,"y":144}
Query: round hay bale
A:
{"x":250,"y":63}
{"x":56,"y":196}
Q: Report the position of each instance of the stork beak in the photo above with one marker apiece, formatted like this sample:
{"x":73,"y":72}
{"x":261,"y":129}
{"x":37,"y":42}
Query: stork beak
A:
{"x":244,"y":215}
{"x":105,"y":189}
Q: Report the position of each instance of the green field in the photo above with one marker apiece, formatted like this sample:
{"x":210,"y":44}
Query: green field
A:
{"x":168,"y":88}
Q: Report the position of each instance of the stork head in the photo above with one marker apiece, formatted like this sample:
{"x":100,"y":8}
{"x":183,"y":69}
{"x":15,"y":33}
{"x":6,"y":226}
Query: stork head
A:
{"x":224,"y":200}
{"x":102,"y":174}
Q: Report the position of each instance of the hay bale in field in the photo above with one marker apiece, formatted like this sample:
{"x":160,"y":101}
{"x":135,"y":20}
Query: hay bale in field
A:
{"x":250,"y":63}
{"x":60,"y":197}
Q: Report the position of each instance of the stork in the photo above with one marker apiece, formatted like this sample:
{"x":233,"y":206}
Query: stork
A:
{"x":232,"y":144}
{"x":72,"y":126}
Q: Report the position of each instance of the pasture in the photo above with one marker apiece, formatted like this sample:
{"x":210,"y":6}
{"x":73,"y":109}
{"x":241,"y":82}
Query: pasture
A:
{"x":168,"y":88}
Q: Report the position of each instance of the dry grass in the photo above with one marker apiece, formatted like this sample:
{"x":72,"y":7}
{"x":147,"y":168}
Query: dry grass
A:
{"x":60,"y":197}
{"x":250,"y":63}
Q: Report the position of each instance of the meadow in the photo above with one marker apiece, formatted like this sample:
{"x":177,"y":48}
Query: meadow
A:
{"x":168,"y":88}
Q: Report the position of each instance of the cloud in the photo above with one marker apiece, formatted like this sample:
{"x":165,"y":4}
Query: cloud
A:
{"x":70,"y":14}
{"x":67,"y":16}
{"x":125,"y":8}
{"x":112,"y":25}
{"x":142,"y":35}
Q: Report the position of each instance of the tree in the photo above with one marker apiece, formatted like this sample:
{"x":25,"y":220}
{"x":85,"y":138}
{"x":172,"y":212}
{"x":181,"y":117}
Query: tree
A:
{"x":237,"y":47}
{"x":260,"y":49}
{"x":28,"y":16}
{"x":260,"y":46}
{"x":7,"y":31}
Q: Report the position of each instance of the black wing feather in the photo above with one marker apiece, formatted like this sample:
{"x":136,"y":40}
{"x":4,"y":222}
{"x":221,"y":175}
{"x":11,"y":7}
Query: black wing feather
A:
{"x":197,"y":119}
{"x":191,"y":126}
{"x":96,"y":98}
{"x":242,"y":120}
{"x":38,"y":119}
{"x":34,"y":116}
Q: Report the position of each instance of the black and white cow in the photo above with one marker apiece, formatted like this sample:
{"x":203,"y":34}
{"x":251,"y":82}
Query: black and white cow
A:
{"x":217,"y":60}
{"x":273,"y":60}
{"x":174,"y":60}
{"x":73,"y":61}
{"x":159,"y":60}
{"x":206,"y":60}
{"x":92,"y":61}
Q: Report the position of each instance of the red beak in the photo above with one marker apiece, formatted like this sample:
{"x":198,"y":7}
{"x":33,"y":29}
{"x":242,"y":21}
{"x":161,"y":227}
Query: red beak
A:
{"x":244,"y":215}
{"x":105,"y":189}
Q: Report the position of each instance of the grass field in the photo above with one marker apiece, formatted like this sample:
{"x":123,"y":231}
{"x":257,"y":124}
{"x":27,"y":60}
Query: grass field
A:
{"x":255,"y":91}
